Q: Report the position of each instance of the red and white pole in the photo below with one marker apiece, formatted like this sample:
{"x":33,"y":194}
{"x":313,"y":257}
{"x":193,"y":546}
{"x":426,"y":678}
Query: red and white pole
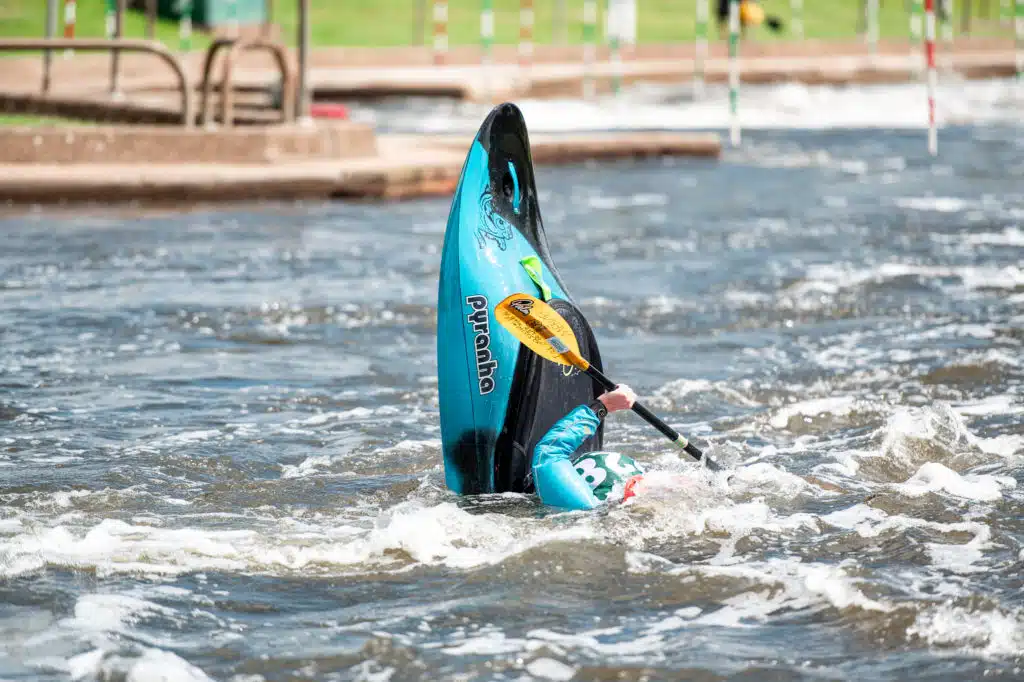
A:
{"x":70,"y":17}
{"x":440,"y":31}
{"x":929,"y":51}
{"x":526,"y":20}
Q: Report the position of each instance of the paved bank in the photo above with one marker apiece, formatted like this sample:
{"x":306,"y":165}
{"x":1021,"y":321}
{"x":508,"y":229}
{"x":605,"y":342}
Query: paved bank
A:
{"x":404,"y":166}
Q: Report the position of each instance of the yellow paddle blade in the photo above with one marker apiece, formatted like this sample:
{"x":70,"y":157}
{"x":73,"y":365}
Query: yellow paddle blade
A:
{"x":541,"y":329}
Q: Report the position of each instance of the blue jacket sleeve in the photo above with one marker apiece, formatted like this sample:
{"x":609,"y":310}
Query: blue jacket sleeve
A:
{"x":558,"y":484}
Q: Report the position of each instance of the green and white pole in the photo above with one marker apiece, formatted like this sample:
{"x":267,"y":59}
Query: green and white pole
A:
{"x":486,"y":43}
{"x":614,"y":45}
{"x":589,"y":47}
{"x":700,"y":48}
{"x":734,"y":72}
{"x":110,"y":19}
{"x":916,"y":34}
{"x":1018,"y":34}
{"x":872,"y":25}
{"x":233,"y":18}
{"x":184,"y":25}
{"x":796,"y":10}
{"x":946,"y":32}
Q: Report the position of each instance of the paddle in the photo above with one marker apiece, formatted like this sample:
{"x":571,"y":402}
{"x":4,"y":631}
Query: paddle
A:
{"x":541,"y":329}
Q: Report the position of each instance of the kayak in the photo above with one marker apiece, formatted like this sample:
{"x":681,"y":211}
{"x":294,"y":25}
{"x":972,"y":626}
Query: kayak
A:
{"x":498,"y":398}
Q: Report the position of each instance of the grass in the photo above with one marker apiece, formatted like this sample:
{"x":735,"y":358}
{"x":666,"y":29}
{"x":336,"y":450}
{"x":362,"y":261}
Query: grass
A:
{"x":31,"y":120}
{"x":409,"y":22}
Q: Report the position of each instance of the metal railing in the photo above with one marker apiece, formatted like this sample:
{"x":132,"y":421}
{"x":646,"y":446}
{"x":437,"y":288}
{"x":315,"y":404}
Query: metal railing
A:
{"x":103,"y":45}
{"x":234,"y":47}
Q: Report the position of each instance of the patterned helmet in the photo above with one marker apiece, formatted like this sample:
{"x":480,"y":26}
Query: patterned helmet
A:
{"x":609,"y":474}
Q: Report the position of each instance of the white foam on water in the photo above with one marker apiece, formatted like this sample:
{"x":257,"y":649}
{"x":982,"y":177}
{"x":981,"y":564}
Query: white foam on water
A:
{"x":934,"y":477}
{"x":113,"y":612}
{"x":1010,"y":236}
{"x":153,"y":665}
{"x":780,"y":106}
{"x":962,"y":558}
{"x":835,"y":277}
{"x":993,"y":633}
{"x":781,"y":584}
{"x":680,"y":389}
{"x":1002,"y":404}
{"x":837,"y":406}
{"x":410,"y":533}
{"x":550,"y":669}
{"x":936,"y":204}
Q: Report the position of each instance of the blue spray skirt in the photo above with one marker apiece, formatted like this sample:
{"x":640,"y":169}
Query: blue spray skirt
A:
{"x":497,"y":399}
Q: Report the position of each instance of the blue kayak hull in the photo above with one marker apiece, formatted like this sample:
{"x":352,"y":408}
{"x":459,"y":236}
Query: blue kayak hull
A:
{"x":497,"y":398}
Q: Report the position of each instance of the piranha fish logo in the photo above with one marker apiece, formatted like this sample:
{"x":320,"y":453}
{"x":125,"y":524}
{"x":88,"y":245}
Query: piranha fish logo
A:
{"x":523,"y":306}
{"x":492,"y":225}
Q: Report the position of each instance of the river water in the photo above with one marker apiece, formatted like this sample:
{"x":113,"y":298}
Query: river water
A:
{"x":220,"y":455}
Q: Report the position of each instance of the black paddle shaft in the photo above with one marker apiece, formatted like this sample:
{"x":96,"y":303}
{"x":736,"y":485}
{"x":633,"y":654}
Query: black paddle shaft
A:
{"x":654,"y":421}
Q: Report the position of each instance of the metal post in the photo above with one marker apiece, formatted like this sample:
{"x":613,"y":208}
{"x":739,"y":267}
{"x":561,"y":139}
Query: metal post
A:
{"x":303,"y":99}
{"x":151,"y":19}
{"x":734,"y":72}
{"x":115,"y":54}
{"x":49,"y":31}
{"x":700,"y":48}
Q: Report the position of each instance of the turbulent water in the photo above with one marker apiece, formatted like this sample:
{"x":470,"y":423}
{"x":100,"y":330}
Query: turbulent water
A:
{"x":220,"y":455}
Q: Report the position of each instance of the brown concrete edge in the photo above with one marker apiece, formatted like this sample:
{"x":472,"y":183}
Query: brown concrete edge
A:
{"x":372,"y":178}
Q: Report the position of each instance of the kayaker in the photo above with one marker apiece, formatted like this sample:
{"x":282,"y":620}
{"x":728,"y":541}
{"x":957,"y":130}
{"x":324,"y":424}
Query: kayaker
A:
{"x":563,"y":479}
{"x":751,"y":16}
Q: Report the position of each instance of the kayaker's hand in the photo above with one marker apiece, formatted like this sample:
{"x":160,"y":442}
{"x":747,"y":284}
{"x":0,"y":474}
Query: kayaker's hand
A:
{"x":622,"y":398}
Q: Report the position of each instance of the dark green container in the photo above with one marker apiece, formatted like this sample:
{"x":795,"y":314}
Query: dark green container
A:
{"x":215,"y":13}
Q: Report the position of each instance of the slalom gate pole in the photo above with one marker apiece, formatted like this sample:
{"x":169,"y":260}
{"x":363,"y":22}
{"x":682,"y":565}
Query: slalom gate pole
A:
{"x":589,"y":48}
{"x":70,"y":17}
{"x":929,"y":49}
{"x":233,"y":26}
{"x":700,"y":48}
{"x":872,"y":27}
{"x":916,"y":33}
{"x":526,"y":22}
{"x":109,"y":19}
{"x":796,"y":9}
{"x":615,"y":49}
{"x":440,"y":31}
{"x":734,"y":72}
{"x":1018,"y":34}
{"x":486,"y":43}
{"x":946,"y":21}
{"x":184,"y":25}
